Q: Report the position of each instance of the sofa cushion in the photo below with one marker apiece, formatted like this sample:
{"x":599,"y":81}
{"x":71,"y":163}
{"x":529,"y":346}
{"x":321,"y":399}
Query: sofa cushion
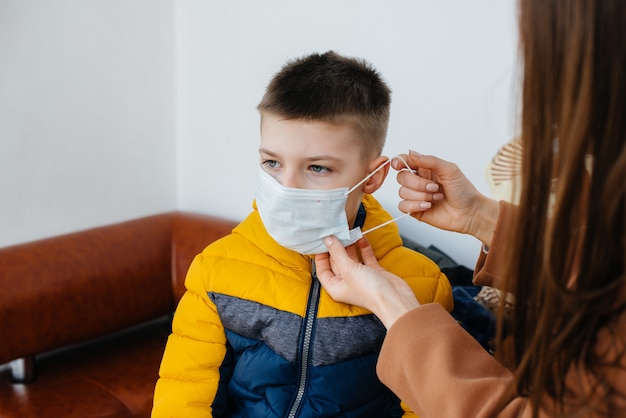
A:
{"x":107,"y":377}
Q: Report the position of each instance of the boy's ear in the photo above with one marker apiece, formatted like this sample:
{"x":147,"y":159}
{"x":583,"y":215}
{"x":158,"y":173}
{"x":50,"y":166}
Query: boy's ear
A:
{"x":374,"y":182}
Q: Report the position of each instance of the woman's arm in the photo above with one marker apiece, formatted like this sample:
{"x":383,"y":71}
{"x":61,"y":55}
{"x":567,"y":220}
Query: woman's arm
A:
{"x":491,"y":265}
{"x":427,"y":359}
{"x":440,"y":371}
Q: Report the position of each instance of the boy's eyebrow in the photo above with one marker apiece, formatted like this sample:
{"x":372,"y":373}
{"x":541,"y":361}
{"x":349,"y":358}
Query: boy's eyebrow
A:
{"x":313,"y":158}
{"x":268,"y":152}
{"x":323,"y":158}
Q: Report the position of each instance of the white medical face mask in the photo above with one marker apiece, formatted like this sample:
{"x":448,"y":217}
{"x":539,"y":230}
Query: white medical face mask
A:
{"x":299,"y":219}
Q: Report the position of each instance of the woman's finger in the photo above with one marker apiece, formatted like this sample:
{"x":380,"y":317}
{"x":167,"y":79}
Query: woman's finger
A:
{"x":367,"y":253}
{"x":322,"y":263}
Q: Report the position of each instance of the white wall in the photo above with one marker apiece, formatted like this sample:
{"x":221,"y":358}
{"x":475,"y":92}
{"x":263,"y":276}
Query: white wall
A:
{"x":449,"y":63}
{"x":112,"y":109}
{"x":86,"y":114}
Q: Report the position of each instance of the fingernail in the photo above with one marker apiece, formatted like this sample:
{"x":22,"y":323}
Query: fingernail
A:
{"x":328,"y":241}
{"x":432,"y":187}
{"x":425,"y":205}
{"x":414,"y":153}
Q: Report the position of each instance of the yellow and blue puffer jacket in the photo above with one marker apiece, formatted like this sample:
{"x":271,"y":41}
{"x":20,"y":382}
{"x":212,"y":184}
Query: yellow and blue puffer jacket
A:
{"x":255,"y":335}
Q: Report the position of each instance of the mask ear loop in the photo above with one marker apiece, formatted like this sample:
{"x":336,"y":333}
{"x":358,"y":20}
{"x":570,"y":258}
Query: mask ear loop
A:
{"x":369,"y":176}
{"x":406,"y":168}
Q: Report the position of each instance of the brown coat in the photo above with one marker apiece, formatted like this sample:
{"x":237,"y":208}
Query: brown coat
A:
{"x":440,"y":371}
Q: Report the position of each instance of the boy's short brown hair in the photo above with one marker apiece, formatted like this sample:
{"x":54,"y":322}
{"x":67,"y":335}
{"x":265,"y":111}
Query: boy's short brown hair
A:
{"x":332,"y":88}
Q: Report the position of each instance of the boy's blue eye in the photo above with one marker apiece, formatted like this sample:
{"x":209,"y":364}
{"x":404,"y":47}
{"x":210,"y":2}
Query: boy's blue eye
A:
{"x":319,"y":169}
{"x":271,"y":163}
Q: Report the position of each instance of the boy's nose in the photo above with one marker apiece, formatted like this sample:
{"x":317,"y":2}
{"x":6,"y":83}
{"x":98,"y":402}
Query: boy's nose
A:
{"x":289,"y":179}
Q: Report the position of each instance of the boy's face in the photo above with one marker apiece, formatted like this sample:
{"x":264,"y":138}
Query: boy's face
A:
{"x":313,"y":155}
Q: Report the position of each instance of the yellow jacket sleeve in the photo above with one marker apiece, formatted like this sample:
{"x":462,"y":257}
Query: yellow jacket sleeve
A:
{"x":189,"y":373}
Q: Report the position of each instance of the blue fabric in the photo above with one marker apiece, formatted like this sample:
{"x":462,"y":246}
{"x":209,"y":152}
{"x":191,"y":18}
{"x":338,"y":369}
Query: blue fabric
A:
{"x":276,"y":378}
{"x":472,"y":316}
{"x":476,"y":319}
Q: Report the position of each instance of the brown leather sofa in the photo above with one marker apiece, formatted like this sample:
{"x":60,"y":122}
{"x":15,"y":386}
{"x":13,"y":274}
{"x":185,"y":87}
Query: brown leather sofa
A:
{"x":84,"y":317}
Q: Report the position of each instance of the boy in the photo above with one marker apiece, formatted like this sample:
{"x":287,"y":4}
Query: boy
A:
{"x":254,"y":335}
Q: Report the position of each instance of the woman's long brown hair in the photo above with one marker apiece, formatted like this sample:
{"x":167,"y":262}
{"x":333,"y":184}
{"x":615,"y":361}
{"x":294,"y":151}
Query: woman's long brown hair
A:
{"x":568,"y":252}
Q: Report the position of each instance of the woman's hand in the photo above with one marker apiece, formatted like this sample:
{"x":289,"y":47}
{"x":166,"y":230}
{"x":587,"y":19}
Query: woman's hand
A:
{"x":440,"y":195}
{"x":364,"y":284}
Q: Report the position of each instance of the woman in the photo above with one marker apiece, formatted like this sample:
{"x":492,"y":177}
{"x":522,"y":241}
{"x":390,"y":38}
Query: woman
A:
{"x":561,"y":252}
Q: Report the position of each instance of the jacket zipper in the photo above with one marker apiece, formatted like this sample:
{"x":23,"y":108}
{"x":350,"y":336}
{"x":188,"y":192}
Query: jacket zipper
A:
{"x":305,"y":354}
